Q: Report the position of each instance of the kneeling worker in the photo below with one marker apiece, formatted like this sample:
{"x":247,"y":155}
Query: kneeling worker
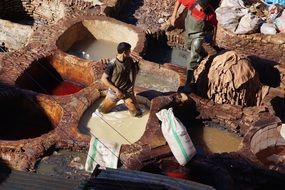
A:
{"x":119,"y":77}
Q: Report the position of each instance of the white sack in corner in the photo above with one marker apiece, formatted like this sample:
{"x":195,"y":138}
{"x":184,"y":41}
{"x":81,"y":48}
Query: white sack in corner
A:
{"x":268,"y":28}
{"x":280,"y":22}
{"x":104,"y":153}
{"x":232,"y":3}
{"x":249,"y":23}
{"x":282,"y":131}
{"x":176,"y":136}
{"x":228,"y":17}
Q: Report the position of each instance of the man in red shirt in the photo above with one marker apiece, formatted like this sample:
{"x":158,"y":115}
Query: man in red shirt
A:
{"x":199,"y":14}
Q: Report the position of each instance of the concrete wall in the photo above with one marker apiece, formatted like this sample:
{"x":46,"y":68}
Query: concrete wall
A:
{"x":266,"y":137}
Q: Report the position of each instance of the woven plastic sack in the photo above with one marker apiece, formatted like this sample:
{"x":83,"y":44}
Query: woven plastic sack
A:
{"x":268,"y":28}
{"x":232,"y":3}
{"x":280,"y":22}
{"x":104,"y":153}
{"x":282,"y":131}
{"x":228,"y":17}
{"x":176,"y":136}
{"x":248,"y":24}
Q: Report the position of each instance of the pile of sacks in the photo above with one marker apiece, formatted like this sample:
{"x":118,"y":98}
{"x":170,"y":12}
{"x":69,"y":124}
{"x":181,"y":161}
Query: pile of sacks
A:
{"x":241,"y":18}
{"x":230,"y":79}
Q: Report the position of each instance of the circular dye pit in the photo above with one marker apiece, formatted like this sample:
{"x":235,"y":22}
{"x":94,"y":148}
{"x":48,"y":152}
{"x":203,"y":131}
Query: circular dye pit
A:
{"x":165,"y":54}
{"x":269,"y":147}
{"x":96,"y":39}
{"x":54,"y":77}
{"x":210,"y":138}
{"x":23,"y":118}
{"x":207,"y":136}
{"x":117,"y":126}
{"x":65,"y":88}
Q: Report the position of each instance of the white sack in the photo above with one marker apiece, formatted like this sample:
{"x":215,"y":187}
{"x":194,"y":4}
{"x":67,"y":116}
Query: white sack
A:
{"x":101,"y":152}
{"x":280,"y":22}
{"x":232,"y":3}
{"x":176,"y":136}
{"x":249,"y":23}
{"x":282,"y":131}
{"x":268,"y":28}
{"x":228,"y":17}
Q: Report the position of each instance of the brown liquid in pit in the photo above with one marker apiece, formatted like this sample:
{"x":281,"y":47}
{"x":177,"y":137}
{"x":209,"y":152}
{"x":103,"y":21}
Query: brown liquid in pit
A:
{"x":213,"y":140}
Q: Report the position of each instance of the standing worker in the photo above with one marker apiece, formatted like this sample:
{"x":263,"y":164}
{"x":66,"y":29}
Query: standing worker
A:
{"x":119,"y":77}
{"x":199,"y":15}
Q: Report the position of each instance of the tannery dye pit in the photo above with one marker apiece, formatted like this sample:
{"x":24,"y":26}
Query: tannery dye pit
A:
{"x":165,"y":54}
{"x":32,"y":121}
{"x":65,"y":88}
{"x":51,"y":85}
{"x":46,"y":78}
{"x":208,"y":139}
{"x":93,"y":49}
{"x":117,"y":126}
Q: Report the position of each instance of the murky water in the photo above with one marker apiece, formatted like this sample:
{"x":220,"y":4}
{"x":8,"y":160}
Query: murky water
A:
{"x":154,"y":82}
{"x":117,"y":126}
{"x":64,"y":163}
{"x":208,"y":139}
{"x":165,"y":54}
{"x":93,"y":49}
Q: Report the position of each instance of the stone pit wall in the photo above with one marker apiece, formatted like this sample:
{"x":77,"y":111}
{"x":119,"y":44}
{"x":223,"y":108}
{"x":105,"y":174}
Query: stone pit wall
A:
{"x":47,"y":11}
{"x":15,"y":36}
{"x":270,"y":47}
{"x":50,"y":11}
{"x":22,"y":17}
{"x":23,"y":154}
{"x":42,"y":43}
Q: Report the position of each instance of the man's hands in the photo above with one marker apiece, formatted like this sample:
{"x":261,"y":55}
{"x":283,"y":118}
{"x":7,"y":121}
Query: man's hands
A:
{"x":172,"y":20}
{"x":119,"y":93}
{"x":175,"y":10}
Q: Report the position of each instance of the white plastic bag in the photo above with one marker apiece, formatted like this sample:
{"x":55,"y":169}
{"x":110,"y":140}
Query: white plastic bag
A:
{"x":228,"y":17}
{"x":249,"y":23}
{"x":280,"y":22}
{"x":176,"y":136}
{"x":282,"y":131}
{"x":232,"y":3}
{"x":101,"y":152}
{"x":268,"y":28}
{"x":274,"y":12}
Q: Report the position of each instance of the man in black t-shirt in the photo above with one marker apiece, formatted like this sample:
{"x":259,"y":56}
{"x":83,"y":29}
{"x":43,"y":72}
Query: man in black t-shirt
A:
{"x":119,"y":77}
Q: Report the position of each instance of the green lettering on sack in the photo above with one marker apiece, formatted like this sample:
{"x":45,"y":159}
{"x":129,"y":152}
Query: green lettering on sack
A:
{"x":94,"y":151}
{"x":173,"y":128}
